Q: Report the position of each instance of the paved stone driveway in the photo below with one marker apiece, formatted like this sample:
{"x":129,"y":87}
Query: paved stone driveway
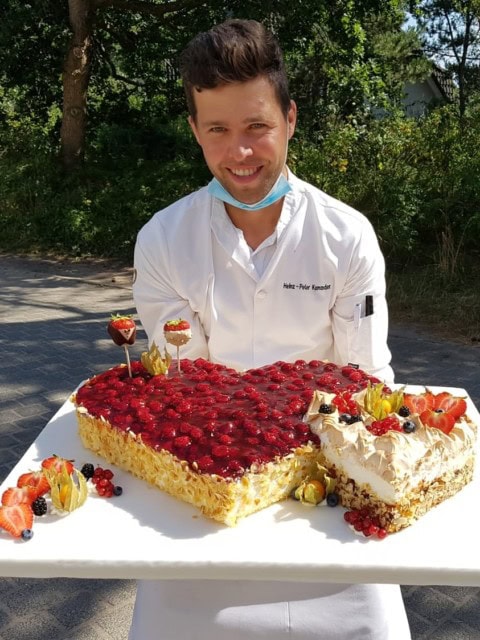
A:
{"x":52,"y":336}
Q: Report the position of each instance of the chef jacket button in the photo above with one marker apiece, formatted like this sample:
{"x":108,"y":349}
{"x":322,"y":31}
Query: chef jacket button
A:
{"x":261,"y":293}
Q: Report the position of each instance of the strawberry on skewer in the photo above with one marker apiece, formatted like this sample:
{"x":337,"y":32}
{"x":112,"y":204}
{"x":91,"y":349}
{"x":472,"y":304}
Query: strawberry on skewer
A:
{"x":178,"y":333}
{"x":123,"y":331}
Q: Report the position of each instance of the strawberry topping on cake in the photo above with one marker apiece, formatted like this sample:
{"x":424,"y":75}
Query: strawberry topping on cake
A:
{"x":214,"y":418}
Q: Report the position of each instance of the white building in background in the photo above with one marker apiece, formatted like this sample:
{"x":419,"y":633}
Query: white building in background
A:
{"x":437,"y":88}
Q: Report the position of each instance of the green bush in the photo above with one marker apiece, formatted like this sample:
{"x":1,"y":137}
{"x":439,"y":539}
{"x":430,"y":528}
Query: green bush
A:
{"x":99,"y":210}
{"x":417,"y":180}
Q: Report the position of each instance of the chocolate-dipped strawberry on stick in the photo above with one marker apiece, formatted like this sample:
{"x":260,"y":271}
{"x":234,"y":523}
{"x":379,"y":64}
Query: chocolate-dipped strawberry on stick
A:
{"x":178,"y":333}
{"x":123,"y":331}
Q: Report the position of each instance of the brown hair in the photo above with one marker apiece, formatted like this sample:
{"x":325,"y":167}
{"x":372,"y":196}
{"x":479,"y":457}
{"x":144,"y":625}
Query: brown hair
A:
{"x":234,"y":51}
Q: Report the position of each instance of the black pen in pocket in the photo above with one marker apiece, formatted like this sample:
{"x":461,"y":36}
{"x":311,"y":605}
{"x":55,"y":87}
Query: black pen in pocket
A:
{"x":368,"y":306}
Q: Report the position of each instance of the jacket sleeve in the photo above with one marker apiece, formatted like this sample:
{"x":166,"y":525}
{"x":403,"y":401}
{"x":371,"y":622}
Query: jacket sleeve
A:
{"x":361,"y":330}
{"x":155,"y":296}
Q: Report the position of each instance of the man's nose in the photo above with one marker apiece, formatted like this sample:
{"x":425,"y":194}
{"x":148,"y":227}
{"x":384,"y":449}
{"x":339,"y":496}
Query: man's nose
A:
{"x":240,"y":148}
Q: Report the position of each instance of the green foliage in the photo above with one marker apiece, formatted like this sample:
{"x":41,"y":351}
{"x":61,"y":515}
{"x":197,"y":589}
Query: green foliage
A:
{"x":446,"y":306}
{"x":97,"y":211}
{"x":418,"y":180}
{"x":451,"y":35}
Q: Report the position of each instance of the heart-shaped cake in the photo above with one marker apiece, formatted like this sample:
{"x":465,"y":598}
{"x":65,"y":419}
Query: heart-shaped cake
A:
{"x":229,"y":442}
{"x":233,"y":443}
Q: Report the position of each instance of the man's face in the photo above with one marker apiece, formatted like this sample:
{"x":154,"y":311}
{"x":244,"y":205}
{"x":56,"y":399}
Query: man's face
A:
{"x":243,"y":134}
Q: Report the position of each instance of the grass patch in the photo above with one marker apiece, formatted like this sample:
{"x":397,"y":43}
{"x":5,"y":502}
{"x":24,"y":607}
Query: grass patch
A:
{"x":447,"y":305}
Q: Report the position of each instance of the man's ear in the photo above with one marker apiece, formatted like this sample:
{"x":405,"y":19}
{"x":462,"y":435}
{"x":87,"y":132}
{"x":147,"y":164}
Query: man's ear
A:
{"x":193,"y":127}
{"x":292,"y":118}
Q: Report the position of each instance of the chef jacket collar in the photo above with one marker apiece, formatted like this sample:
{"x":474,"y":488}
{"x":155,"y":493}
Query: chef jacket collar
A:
{"x":230,"y":236}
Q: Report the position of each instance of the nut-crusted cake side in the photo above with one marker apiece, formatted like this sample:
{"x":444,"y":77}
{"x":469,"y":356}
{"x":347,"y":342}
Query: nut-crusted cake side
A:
{"x":397,"y":474}
{"x":223,"y":499}
{"x":229,"y":443}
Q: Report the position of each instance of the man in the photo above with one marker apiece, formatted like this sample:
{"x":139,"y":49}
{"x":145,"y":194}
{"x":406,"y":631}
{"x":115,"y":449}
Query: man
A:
{"x":264,"y":267}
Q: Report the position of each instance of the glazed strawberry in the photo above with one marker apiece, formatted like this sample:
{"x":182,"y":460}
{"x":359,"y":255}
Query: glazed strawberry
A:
{"x":122,"y":330}
{"x":176,"y":325}
{"x":36,"y":480}
{"x":438,"y":419}
{"x":457,"y":407}
{"x":15,"y":519}
{"x":18,"y":495}
{"x":58,"y":464}
{"x":177,"y":332}
{"x":419,"y":402}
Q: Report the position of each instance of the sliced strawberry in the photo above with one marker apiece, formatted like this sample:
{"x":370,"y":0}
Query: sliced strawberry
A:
{"x":451,"y":404}
{"x":36,"y":480}
{"x":18,"y":495}
{"x":16,"y":518}
{"x":438,"y":419}
{"x":418,"y":402}
{"x":58,"y":463}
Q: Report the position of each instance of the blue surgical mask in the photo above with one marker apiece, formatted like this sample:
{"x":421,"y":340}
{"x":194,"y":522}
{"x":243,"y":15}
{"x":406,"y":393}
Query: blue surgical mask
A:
{"x":279,"y":189}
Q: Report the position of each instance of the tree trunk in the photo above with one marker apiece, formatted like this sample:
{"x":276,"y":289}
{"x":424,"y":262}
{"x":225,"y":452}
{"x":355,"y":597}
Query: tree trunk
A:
{"x":76,"y":76}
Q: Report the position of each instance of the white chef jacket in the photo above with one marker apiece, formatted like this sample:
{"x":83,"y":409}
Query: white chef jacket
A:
{"x":309,"y":302}
{"x":296,"y":296}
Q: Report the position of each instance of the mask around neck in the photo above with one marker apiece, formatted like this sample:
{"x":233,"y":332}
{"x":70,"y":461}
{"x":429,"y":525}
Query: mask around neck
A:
{"x":279,"y":189}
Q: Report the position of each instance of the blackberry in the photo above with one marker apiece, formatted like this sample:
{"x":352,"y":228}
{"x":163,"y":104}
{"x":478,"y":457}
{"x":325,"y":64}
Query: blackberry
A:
{"x":409,"y":426}
{"x":333,"y":499}
{"x":345,"y":417}
{"x":39,"y":506}
{"x":87,"y":470}
{"x":404,"y":411}
{"x":326,"y":408}
{"x":355,"y":418}
{"x":117,"y":491}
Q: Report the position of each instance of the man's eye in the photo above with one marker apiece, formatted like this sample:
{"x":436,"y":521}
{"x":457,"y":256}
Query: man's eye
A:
{"x":257,"y":125}
{"x":217,"y":129}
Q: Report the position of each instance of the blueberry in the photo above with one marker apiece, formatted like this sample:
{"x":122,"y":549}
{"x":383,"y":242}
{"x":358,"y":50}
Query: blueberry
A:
{"x":345,"y":417}
{"x":117,"y":491}
{"x":409,"y":426}
{"x":355,"y":418}
{"x":27,"y":534}
{"x":333,"y":499}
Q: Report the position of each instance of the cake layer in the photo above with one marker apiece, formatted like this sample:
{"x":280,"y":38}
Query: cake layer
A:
{"x":224,"y":500}
{"x":410,"y":507}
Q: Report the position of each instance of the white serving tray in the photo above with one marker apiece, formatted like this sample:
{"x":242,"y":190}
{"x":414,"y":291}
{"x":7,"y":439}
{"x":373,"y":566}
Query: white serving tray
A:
{"x":144,"y":533}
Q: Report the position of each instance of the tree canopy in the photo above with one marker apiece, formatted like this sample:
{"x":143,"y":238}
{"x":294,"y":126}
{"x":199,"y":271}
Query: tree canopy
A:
{"x":118,"y":57}
{"x":93,"y":133}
